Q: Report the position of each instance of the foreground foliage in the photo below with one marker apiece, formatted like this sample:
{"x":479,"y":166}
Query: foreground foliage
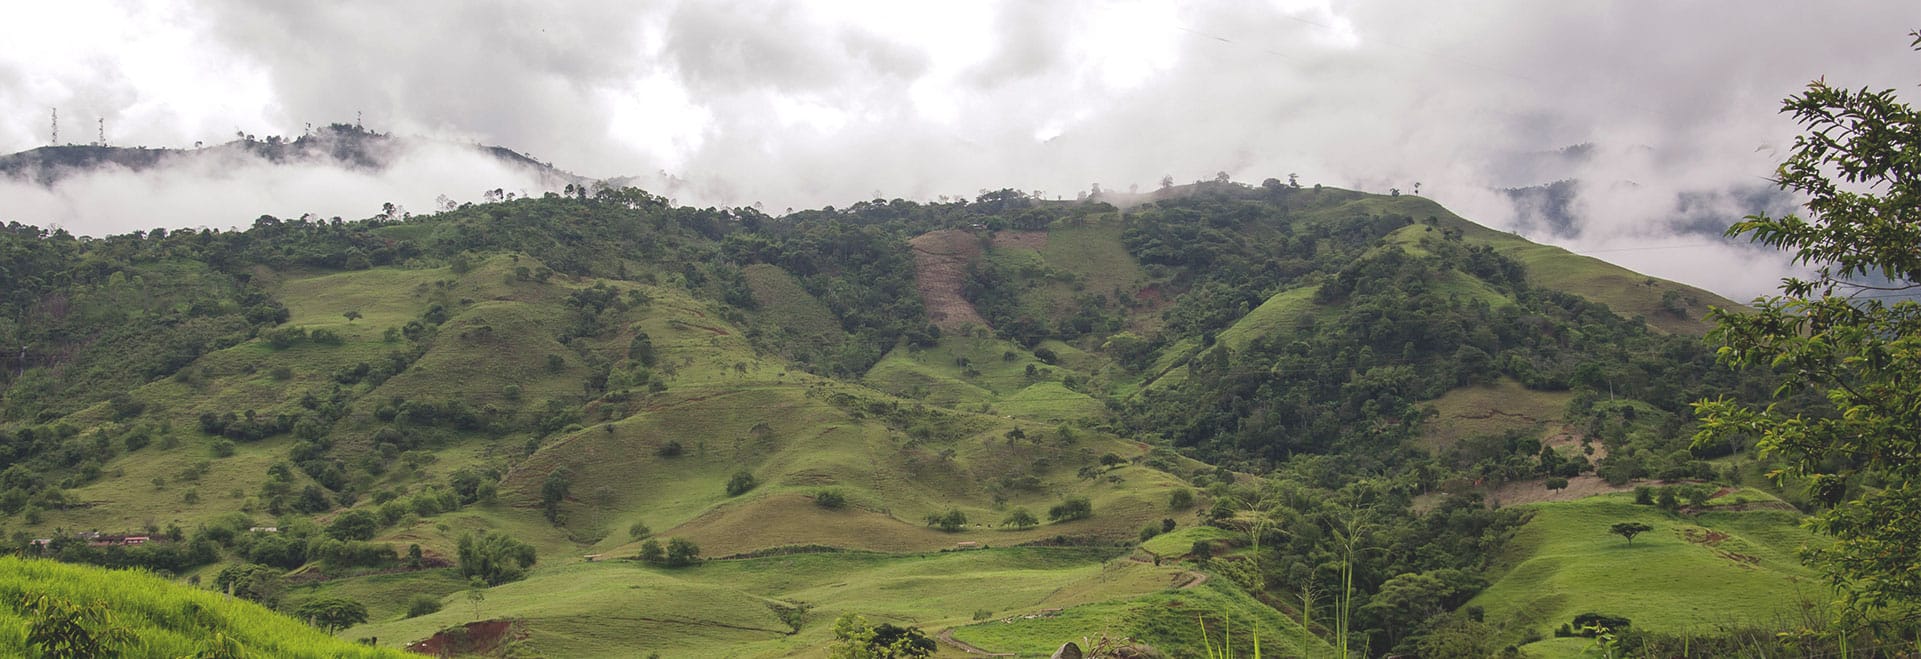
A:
{"x":71,"y":610}
{"x":1851,"y":336}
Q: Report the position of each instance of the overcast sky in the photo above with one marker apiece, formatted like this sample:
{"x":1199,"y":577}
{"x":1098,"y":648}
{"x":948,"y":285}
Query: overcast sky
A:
{"x":831,"y":103}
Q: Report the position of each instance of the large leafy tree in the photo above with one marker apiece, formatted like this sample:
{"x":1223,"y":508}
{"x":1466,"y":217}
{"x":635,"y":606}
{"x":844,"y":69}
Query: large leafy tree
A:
{"x":1846,"y":341}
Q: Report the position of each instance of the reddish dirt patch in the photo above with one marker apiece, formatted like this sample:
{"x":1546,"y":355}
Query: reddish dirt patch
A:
{"x":1026,"y":239}
{"x":1703,"y":536}
{"x":472,"y":638}
{"x":941,"y":259}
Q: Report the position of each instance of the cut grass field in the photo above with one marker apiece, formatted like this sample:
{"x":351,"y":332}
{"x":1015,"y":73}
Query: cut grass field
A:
{"x":1690,"y":573}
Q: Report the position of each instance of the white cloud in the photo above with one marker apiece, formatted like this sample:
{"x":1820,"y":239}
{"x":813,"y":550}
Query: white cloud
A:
{"x":811,"y":104}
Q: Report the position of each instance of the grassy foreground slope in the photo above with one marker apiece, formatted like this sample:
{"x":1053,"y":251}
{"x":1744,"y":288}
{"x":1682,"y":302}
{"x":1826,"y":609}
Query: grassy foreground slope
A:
{"x":163,"y":619}
{"x":1692,"y":572}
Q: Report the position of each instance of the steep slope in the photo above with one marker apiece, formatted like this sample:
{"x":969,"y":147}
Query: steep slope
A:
{"x":157,"y":617}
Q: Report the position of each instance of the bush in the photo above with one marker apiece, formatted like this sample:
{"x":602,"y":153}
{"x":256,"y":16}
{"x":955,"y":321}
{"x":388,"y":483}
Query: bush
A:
{"x":639,"y":530}
{"x":740,"y":483}
{"x":950,"y":521}
{"x":682,"y":552}
{"x":1148,"y":532}
{"x":354,"y":525}
{"x":1181,"y":499}
{"x":222,"y":448}
{"x":1644,"y":495}
{"x":1020,"y":519}
{"x":422,"y":604}
{"x":669,"y":449}
{"x":830,"y":499}
{"x":495,"y":558}
{"x":1072,"y":509}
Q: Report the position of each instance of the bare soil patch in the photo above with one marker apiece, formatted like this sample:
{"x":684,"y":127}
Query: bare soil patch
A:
{"x":941,"y":259}
{"x":481,"y":637}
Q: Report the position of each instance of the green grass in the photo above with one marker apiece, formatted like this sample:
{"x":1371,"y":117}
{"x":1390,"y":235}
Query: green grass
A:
{"x":1625,"y":291}
{"x":726,"y":608}
{"x":1176,"y":543}
{"x":1171,"y":621}
{"x":1281,"y":314}
{"x":1689,"y":573}
{"x":164,"y":619}
{"x":1492,"y":409}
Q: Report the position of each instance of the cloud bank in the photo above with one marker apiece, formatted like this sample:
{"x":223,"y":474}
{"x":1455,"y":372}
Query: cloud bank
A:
{"x":829,"y":103}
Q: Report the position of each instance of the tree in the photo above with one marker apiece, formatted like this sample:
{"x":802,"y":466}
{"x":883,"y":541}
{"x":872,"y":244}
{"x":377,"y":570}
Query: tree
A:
{"x":1021,"y":519}
{"x":950,"y":521}
{"x":1842,"y":337}
{"x":354,"y":525}
{"x":682,"y":552}
{"x":332,"y":613}
{"x":855,"y":638}
{"x":651,"y":552}
{"x":740,"y":483}
{"x":476,"y":595}
{"x":1072,"y":509}
{"x":494,"y":558}
{"x":1629,"y":530}
{"x":1556,"y":483}
{"x":60,"y":628}
{"x":1180,"y":499}
{"x":252,"y":581}
{"x":552,"y":492}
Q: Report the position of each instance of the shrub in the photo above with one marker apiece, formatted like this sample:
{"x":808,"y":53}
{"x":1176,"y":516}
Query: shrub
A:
{"x":422,"y":604}
{"x":1072,"y":509}
{"x":639,"y":530}
{"x":494,"y":557}
{"x":1644,"y":495}
{"x":741,"y":482}
{"x":1180,"y":499}
{"x":1148,"y":532}
{"x":222,"y":448}
{"x":950,"y":521}
{"x":682,"y":552}
{"x":651,"y":552}
{"x":830,"y":499}
{"x":1020,"y":519}
{"x":669,"y":449}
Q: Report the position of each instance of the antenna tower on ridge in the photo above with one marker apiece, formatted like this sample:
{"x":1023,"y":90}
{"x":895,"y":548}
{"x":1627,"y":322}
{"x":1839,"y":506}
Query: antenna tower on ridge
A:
{"x":103,"y":131}
{"x":56,"y":128}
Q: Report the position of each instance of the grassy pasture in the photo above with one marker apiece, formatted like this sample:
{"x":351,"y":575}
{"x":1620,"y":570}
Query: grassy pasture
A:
{"x":1689,"y":573}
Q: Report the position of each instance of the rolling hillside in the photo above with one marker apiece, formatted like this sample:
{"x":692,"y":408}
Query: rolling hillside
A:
{"x":828,"y":404}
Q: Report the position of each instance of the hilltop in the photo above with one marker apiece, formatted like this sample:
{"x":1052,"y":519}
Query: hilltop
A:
{"x":872,"y":397}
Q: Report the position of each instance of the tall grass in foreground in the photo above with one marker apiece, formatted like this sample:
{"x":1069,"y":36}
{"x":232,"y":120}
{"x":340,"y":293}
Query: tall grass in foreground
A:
{"x":157,"y":618}
{"x":1227,"y":640}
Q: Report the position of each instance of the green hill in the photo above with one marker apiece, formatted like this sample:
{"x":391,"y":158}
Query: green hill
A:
{"x":342,"y":403}
{"x":1728,"y":563}
{"x":156,"y":617}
